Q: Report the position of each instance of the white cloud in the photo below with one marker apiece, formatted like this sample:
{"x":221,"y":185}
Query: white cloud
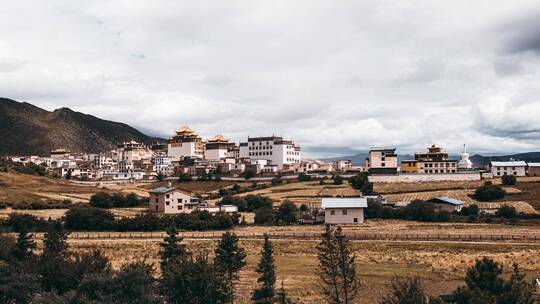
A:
{"x":345,"y":75}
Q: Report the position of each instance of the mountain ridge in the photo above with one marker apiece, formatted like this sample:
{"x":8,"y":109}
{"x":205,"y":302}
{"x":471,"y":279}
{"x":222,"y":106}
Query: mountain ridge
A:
{"x":26,"y":129}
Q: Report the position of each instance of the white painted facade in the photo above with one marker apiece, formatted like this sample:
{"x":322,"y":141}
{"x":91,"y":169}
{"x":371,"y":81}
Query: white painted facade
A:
{"x":344,"y":210}
{"x":278,"y":151}
{"x":515,"y":168}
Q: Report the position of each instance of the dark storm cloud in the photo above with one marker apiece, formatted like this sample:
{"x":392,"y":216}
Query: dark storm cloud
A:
{"x":522,"y":34}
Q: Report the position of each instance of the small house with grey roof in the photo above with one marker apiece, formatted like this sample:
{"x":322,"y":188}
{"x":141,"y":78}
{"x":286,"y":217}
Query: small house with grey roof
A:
{"x":339,"y":210}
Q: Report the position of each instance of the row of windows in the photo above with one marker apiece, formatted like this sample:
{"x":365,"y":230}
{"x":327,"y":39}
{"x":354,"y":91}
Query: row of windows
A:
{"x":260,"y":143}
{"x":260,"y":153}
{"x":333,"y":212}
{"x":515,"y":173}
{"x":506,"y":168}
{"x":440,"y":171}
{"x":436,"y":165}
{"x":260,"y":148}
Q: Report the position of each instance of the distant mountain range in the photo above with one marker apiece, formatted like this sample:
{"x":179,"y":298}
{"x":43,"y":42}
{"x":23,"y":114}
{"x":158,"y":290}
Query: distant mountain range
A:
{"x":478,"y":160}
{"x":28,"y":130}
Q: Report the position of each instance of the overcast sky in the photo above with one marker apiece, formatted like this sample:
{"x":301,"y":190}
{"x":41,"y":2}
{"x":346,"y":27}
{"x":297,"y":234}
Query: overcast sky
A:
{"x":335,"y":76}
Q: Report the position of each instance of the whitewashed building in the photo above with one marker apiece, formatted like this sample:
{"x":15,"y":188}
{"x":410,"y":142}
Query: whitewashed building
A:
{"x":275,"y":149}
{"x":185,"y":143}
{"x":344,"y":210}
{"x":218,"y":148}
{"x":515,"y":168}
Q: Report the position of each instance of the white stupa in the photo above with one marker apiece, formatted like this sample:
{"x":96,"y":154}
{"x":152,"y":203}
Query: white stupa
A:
{"x":464,"y":162}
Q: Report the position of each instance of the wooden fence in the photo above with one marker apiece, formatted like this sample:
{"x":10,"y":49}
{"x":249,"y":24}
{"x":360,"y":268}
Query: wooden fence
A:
{"x":306,"y":236}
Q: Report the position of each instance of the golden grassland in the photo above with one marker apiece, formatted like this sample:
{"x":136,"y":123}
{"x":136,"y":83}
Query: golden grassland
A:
{"x":441,"y":266}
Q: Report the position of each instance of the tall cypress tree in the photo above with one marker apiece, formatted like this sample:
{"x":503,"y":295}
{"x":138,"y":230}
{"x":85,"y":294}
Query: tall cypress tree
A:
{"x":24,"y":247}
{"x":230,"y":258}
{"x":347,"y":267}
{"x":328,"y":266}
{"x":337,"y":269}
{"x":267,"y":280}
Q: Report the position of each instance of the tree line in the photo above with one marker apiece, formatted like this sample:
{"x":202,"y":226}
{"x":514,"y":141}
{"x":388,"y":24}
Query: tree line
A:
{"x":86,"y":218}
{"x":58,"y":275}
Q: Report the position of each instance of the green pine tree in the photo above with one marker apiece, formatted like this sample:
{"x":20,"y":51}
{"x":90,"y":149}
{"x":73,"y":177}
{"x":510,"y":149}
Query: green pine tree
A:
{"x":55,"y":241}
{"x":23,"y":249}
{"x":171,"y":248}
{"x":267,"y":279}
{"x":230,"y":258}
{"x":405,"y":291}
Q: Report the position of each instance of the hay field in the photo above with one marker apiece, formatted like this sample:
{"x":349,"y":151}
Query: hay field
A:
{"x":441,"y":266}
{"x":309,"y":193}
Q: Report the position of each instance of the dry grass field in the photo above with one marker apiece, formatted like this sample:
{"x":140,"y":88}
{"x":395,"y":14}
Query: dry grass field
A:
{"x":309,"y":193}
{"x":441,"y":266}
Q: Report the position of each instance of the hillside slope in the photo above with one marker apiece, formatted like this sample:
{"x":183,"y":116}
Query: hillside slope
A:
{"x":26,"y":129}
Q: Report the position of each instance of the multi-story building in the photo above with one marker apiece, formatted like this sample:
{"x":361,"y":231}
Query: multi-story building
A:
{"x":275,"y":149}
{"x":185,"y":143}
{"x":515,"y":168}
{"x":435,"y":160}
{"x":131,"y":153}
{"x":170,"y":200}
{"x":218,"y":148}
{"x":342,"y":165}
{"x":382,"y":161}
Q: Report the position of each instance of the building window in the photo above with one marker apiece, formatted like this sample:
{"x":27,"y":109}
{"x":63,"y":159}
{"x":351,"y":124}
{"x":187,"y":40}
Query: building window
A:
{"x":156,"y":207}
{"x":179,"y":207}
{"x":167,"y":203}
{"x":332,"y":212}
{"x":344,"y":211}
{"x":167,"y":196}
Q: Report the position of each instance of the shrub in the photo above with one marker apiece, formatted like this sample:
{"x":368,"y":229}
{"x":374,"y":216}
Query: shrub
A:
{"x":255,"y":202}
{"x":338,"y":180}
{"x":88,"y":218}
{"x":286,"y":213}
{"x":507,"y":212}
{"x":421,"y":211}
{"x":117,"y":200}
{"x":249,"y":173}
{"x":264,"y":216}
{"x":240,"y":202}
{"x":304,"y":177}
{"x":276,"y":181}
{"x":184,"y":178}
{"x":489,"y":192}
{"x":508,"y":180}
{"x":25,"y":222}
{"x":471,"y":210}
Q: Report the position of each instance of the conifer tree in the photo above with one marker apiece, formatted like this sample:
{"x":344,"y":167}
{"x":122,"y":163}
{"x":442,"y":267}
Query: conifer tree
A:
{"x":337,"y":269}
{"x":171,"y":248}
{"x":55,"y":267}
{"x":267,"y":279}
{"x":230,"y":258}
{"x":24,"y":247}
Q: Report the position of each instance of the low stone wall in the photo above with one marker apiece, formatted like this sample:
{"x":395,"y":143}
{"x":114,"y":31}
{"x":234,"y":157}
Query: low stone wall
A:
{"x":419,"y":177}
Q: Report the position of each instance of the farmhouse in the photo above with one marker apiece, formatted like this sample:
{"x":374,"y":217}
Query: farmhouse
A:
{"x":534,"y":169}
{"x":447,"y":204}
{"x":170,"y":200}
{"x":344,"y":210}
{"x":516,"y":168}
